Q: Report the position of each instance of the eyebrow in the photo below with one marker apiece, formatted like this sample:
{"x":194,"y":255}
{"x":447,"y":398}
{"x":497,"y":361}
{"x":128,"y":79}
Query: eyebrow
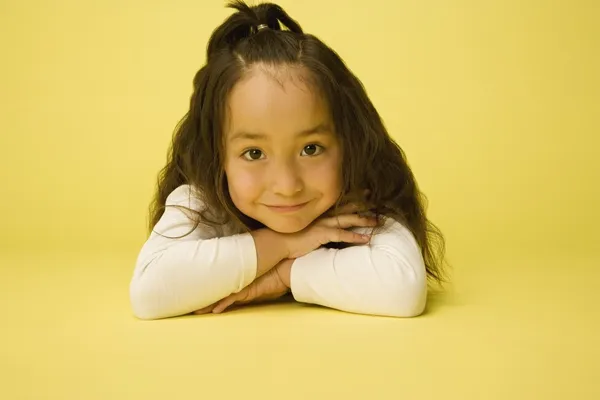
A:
{"x":321,"y":128}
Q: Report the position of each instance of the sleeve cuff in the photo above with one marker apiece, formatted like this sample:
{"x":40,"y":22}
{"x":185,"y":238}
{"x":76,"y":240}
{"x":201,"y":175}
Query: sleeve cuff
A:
{"x":307,"y":269}
{"x":248,"y":260}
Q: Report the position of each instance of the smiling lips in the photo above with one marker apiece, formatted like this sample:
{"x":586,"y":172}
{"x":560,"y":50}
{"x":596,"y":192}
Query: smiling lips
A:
{"x":286,"y":209}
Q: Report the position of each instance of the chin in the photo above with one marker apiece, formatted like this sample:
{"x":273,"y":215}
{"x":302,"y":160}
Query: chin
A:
{"x":286,"y":226}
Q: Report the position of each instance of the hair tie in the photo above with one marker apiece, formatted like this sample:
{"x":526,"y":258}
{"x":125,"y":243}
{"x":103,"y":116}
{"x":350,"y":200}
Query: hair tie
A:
{"x":261,"y":27}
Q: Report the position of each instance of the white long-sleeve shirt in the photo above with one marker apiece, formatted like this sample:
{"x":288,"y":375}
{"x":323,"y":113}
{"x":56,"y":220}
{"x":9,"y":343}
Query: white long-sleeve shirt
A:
{"x":177,"y":273}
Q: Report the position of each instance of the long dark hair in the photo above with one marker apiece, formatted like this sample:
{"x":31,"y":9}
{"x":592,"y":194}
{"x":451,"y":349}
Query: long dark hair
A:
{"x":372,"y":161}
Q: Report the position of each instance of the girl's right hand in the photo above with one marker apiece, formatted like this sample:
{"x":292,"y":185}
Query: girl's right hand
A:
{"x":326,"y":230}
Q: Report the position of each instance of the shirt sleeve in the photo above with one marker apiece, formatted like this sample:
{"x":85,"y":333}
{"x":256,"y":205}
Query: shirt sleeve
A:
{"x":181,"y":269}
{"x":386,"y":277}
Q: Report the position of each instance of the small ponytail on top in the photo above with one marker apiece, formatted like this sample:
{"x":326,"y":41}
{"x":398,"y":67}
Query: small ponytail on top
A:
{"x":246,"y":22}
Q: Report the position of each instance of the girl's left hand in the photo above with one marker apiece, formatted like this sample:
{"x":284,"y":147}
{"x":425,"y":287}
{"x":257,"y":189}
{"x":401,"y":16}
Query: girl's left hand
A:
{"x":269,"y":286}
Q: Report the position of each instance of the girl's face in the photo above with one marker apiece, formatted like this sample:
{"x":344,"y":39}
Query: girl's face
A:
{"x":283,"y":159}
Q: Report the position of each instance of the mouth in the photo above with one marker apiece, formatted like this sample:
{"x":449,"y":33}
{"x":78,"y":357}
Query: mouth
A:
{"x":286,"y":208}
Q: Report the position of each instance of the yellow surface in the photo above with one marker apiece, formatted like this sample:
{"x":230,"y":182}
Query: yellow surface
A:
{"x":497,"y":105}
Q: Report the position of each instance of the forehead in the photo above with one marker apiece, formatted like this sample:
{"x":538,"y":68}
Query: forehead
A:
{"x":275,"y":100}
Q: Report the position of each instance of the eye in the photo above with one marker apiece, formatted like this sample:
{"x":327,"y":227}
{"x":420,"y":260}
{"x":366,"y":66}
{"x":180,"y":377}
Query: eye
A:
{"x":312,"y":150}
{"x":253,"y":154}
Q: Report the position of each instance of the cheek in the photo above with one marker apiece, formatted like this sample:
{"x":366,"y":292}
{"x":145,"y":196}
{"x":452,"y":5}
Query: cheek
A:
{"x":243,"y":184}
{"x":328,"y":176}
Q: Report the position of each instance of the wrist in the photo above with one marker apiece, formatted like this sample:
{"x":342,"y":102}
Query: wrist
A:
{"x":271,"y":249}
{"x":284,"y":271}
{"x":278,"y":242}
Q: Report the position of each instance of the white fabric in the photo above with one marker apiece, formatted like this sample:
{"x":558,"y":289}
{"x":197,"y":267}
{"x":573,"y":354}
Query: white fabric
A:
{"x":176,"y":274}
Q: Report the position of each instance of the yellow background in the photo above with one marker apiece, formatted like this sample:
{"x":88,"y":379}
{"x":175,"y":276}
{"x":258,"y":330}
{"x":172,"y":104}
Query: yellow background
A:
{"x":497,"y":106}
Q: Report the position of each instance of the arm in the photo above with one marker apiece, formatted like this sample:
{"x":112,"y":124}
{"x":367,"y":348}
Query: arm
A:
{"x":386,"y":277}
{"x":176,"y":274}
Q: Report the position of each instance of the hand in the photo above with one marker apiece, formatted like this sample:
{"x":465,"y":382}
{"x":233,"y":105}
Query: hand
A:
{"x":269,"y":286}
{"x":329,"y":229}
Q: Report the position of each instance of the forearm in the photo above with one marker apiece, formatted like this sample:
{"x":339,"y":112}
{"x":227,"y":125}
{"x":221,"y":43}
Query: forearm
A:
{"x":187,"y":275}
{"x":284,"y":270}
{"x":386,"y":277}
{"x":270,"y":249}
{"x":356,"y":280}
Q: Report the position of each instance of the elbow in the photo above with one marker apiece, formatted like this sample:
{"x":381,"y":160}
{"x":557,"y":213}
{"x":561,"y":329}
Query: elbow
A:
{"x":139,"y":305}
{"x":400,"y":289}
{"x":142,"y":300}
{"x":147,"y":291}
{"x":408,"y":299}
{"x":412,"y":304}
{"x":403,"y":297}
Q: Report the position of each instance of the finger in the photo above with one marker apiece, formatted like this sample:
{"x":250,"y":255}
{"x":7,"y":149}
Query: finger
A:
{"x":348,"y":221}
{"x":342,"y":235}
{"x":204,"y":310}
{"x":223,"y":304}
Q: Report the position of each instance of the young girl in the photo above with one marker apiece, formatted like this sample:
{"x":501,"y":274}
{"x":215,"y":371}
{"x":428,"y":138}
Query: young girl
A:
{"x":282,"y":178}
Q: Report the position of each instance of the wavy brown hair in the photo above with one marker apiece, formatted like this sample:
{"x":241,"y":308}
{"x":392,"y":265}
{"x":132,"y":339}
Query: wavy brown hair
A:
{"x":371,"y":159}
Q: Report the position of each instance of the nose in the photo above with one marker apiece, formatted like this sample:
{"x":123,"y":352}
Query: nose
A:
{"x":286,"y":179}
